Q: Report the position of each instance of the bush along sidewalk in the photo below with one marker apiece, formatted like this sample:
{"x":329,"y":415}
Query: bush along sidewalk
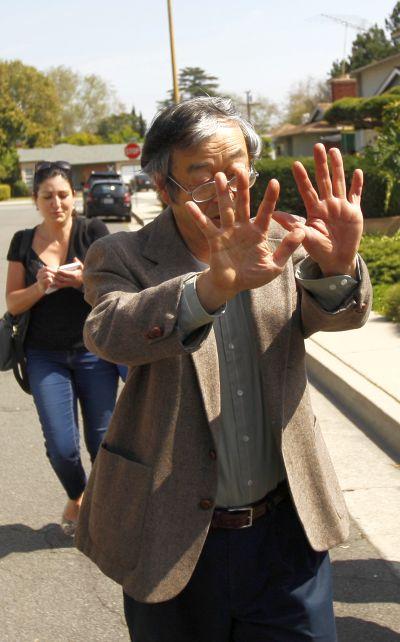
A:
{"x":5,"y":192}
{"x":382,"y":255}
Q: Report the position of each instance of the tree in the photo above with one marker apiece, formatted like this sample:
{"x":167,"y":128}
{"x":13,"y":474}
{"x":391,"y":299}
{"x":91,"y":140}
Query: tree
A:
{"x":82,"y":138}
{"x":262,"y":112}
{"x":85,"y":100}
{"x":302,"y":99}
{"x":193,"y":81}
{"x":34,"y":98}
{"x":392,"y":23}
{"x":385,"y":150}
{"x":119,"y":128}
{"x":369,"y":46}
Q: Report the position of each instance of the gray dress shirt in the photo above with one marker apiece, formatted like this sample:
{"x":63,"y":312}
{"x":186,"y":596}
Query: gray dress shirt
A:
{"x":250,"y":463}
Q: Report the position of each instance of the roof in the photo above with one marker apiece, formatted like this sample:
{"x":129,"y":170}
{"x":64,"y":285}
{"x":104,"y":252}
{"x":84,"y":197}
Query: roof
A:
{"x":320,"y":127}
{"x":75,"y":154}
{"x":376,"y":63}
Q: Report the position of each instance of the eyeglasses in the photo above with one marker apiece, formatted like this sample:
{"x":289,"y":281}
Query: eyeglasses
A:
{"x":41,"y":166}
{"x":207,"y":191}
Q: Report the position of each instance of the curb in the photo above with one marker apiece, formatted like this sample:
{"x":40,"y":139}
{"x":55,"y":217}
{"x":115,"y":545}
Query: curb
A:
{"x":378,"y":411}
{"x":138,"y":218}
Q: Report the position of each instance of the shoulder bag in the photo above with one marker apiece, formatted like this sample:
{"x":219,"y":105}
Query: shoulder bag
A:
{"x":13,"y":331}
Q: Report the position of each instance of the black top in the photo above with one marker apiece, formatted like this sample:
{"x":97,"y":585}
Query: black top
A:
{"x":57,"y":319}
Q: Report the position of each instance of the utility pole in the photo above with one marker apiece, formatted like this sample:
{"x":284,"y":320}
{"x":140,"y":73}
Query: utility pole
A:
{"x":172,"y":45}
{"x":249,"y":104}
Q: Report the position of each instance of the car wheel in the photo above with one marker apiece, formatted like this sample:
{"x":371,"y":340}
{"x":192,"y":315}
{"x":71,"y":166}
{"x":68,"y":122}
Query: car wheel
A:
{"x":128,"y":218}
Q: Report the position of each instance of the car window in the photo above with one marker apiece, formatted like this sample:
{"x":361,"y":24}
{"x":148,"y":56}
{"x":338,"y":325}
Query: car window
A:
{"x":108,"y":189}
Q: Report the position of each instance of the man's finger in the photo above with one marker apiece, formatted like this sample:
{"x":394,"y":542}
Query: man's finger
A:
{"x":242,"y":195}
{"x":322,"y":172}
{"x":356,"y":186}
{"x":202,"y":221}
{"x":267,"y":205}
{"x":338,"y":177}
{"x":305,"y":186}
{"x":288,"y":221}
{"x":225,"y":203}
{"x":289,"y":245}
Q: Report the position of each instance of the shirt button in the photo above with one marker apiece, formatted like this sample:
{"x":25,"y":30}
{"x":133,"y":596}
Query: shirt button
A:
{"x":246,"y":438}
{"x":343,"y":282}
{"x":332,"y":286}
{"x":155,"y":332}
{"x":250,"y":482}
{"x":213,"y":454}
{"x":231,"y":346}
{"x":239,"y":393}
{"x":206,"y":504}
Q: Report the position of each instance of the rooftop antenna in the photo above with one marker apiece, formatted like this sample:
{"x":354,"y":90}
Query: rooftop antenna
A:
{"x":359,"y":24}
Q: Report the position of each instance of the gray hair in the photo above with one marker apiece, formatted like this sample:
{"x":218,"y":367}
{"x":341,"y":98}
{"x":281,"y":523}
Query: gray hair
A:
{"x":187,"y":125}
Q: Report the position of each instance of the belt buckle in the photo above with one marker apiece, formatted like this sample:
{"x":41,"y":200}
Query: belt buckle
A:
{"x":242,"y":510}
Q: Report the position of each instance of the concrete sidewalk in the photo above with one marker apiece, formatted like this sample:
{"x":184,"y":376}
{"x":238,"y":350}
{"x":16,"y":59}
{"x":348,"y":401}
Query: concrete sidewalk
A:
{"x":361,"y":368}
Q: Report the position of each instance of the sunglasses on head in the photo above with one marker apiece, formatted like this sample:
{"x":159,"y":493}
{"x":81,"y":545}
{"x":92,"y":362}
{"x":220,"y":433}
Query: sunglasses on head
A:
{"x":41,"y":166}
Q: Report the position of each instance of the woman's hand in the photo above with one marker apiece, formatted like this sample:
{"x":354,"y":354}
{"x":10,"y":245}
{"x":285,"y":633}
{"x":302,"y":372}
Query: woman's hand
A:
{"x":45,"y":278}
{"x":70,"y":278}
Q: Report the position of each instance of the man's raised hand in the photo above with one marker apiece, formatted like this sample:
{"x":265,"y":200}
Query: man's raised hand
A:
{"x":334,"y":222}
{"x":240,"y":257}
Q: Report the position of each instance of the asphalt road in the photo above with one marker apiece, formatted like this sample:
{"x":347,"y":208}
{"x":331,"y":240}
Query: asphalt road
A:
{"x":52,"y":593}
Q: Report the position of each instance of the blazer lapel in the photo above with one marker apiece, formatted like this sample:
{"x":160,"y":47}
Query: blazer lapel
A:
{"x":171,"y":257}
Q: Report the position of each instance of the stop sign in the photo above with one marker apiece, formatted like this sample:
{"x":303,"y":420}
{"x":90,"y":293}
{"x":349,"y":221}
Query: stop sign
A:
{"x":132,"y":150}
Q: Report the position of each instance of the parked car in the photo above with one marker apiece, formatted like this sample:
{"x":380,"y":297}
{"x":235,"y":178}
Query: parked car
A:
{"x":109,"y":198}
{"x":96,"y":176}
{"x":141,"y":180}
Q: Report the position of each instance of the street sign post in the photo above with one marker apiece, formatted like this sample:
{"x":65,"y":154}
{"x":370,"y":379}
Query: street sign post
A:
{"x":132,"y":150}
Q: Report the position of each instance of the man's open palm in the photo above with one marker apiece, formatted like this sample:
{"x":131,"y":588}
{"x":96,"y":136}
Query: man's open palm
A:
{"x":334,"y":221}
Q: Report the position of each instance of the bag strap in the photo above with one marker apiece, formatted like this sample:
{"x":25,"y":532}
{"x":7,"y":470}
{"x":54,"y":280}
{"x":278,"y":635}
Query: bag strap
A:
{"x":19,"y":362}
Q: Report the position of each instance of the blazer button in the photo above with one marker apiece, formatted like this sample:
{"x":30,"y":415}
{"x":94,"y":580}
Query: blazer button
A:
{"x":155,"y":332}
{"x":206,"y":504}
{"x":213,"y":454}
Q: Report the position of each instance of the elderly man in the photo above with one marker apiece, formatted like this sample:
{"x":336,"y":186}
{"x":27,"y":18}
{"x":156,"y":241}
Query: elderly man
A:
{"x":213,"y":500}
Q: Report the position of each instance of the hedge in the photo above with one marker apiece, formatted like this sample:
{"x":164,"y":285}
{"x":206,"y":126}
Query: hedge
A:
{"x":5,"y":192}
{"x":379,"y":198}
{"x":20,"y":188}
{"x":361,"y":113}
{"x":382,"y":255}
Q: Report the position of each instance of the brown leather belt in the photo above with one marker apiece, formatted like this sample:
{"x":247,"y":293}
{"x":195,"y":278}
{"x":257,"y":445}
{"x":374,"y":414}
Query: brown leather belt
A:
{"x":244,"y":516}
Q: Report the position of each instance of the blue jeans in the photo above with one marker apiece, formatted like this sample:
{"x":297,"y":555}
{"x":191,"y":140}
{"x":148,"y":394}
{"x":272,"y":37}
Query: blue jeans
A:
{"x":58,"y":380}
{"x":259,"y":584}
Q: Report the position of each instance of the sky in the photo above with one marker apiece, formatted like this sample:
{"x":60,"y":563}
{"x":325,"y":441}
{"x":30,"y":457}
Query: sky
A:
{"x":263,"y":46}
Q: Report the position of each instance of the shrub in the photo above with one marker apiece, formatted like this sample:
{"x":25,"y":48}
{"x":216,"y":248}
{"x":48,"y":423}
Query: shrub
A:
{"x":382,"y":256}
{"x":5,"y":192}
{"x":377,"y":191}
{"x":20,"y":188}
{"x":391,"y":303}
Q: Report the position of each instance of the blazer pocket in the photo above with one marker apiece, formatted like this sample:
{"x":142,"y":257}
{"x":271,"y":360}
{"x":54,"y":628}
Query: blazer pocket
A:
{"x":119,"y":498}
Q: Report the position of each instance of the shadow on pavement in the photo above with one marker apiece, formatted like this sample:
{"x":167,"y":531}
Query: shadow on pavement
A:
{"x":350,"y":629}
{"x":18,"y":538}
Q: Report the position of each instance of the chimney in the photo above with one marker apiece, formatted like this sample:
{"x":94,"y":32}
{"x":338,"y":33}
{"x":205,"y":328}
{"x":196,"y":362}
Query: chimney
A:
{"x":343,"y":87}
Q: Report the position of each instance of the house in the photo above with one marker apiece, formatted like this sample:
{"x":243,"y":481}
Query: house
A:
{"x":299,"y":140}
{"x":371,"y":80}
{"x":83,"y":159}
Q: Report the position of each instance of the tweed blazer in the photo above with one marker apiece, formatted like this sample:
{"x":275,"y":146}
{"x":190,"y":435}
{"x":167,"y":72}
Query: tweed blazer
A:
{"x":143,"y":521}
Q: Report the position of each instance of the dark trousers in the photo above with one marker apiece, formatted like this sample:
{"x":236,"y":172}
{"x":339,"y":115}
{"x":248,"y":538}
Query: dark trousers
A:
{"x":258,"y":584}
